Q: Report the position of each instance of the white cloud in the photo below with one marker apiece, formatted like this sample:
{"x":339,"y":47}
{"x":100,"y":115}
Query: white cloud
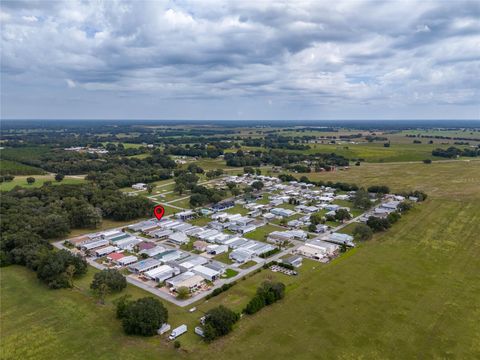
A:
{"x":302,"y":54}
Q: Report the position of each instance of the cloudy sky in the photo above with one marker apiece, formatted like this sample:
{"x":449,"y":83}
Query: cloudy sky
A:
{"x":240,"y":59}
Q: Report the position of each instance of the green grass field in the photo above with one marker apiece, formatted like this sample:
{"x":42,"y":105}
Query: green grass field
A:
{"x":409,"y":293}
{"x":39,"y":181}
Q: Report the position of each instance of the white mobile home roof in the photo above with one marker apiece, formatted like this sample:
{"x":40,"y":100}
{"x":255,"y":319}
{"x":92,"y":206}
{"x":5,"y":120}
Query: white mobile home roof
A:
{"x":161,"y":272}
{"x":95,"y":244}
{"x":145,"y":265}
{"x":127,"y":260}
{"x":205,"y":272}
{"x":106,"y":250}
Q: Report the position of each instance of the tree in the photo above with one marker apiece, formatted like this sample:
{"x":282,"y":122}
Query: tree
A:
{"x":255,"y":304}
{"x":316,"y":218}
{"x":404,"y":206}
{"x":393,"y":217}
{"x":219,"y":321}
{"x":257,"y":185}
{"x":112,"y":278}
{"x":101,"y":292}
{"x":143,"y":316}
{"x":183,"y":293}
{"x":85,"y":216}
{"x":267,"y":293}
{"x":342,"y":215}
{"x":195,"y":169}
{"x":180,"y":188}
{"x":150,"y":188}
{"x":231,"y":185}
{"x":59,"y":177}
{"x":361,"y":200}
{"x":249,"y":170}
{"x":55,"y":226}
{"x":378,"y":224}
{"x":30,"y":180}
{"x":70,"y":273}
{"x":122,"y":305}
{"x":52,"y":268}
{"x":362,"y":232}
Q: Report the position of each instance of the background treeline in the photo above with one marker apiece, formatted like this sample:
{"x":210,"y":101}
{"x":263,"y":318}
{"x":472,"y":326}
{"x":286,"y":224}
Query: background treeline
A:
{"x":282,"y":158}
{"x":29,"y":217}
{"x":453,"y":152}
{"x":280,"y":142}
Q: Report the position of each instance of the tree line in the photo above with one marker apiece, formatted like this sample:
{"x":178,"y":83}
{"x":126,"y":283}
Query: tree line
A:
{"x":29,"y":217}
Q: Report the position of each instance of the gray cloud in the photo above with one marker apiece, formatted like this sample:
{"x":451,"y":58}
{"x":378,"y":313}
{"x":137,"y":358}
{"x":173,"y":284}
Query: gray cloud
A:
{"x":256,"y":59}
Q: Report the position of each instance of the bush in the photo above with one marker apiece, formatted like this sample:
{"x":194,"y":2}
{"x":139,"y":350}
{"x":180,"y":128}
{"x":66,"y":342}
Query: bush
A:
{"x":143,"y":316}
{"x":378,"y":224}
{"x":379,"y":189}
{"x":221,"y":289}
{"x":362,"y":232}
{"x":219,"y":321}
{"x":269,"y":253}
{"x":268,"y":293}
{"x":57,"y":269}
{"x":114,"y":280}
{"x":183,"y":293}
{"x":177,"y":344}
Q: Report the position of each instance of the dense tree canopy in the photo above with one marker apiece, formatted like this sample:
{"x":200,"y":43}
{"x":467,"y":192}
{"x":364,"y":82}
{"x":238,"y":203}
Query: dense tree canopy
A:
{"x":112,"y":278}
{"x":143,"y":316}
{"x":219,"y":321}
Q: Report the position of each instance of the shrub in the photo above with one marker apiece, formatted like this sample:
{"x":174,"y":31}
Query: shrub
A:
{"x":362,"y":232}
{"x":114,"y":280}
{"x":267,"y":293}
{"x":143,"y":316}
{"x":219,"y":321}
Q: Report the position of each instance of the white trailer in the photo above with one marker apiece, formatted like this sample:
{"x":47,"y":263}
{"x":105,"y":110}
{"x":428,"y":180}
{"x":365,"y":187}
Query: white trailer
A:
{"x":182,"y":329}
{"x":163,"y":329}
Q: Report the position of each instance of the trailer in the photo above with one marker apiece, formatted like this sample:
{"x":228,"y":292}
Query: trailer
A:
{"x":182,"y":329}
{"x":199,"y":331}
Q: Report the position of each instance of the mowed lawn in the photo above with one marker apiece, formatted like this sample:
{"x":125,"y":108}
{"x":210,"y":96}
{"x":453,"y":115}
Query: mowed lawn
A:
{"x":411,"y":292}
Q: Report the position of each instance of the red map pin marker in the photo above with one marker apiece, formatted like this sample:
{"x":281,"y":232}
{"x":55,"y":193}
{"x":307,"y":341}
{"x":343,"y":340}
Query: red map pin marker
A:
{"x":158,"y":211}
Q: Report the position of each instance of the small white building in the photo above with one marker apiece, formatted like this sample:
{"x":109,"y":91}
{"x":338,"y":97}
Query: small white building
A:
{"x":139,"y":186}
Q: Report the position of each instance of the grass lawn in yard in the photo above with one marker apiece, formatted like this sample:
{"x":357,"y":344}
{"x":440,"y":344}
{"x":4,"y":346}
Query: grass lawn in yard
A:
{"x":223,"y":258}
{"x":229,"y":273}
{"x":247,"y":265}
{"x":238,"y":209}
{"x":200,"y":221}
{"x":105,"y":225}
{"x":261,"y":233}
{"x":349,"y":228}
{"x":183,"y":203}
